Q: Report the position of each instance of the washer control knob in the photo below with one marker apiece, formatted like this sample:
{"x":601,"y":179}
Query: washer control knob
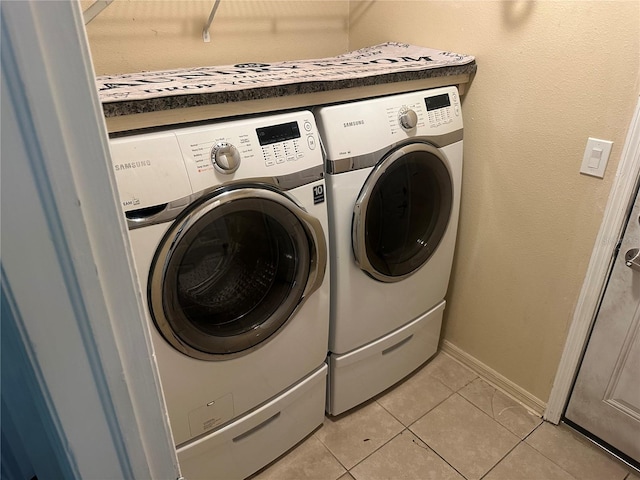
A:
{"x":408,"y":118}
{"x":225,"y":157}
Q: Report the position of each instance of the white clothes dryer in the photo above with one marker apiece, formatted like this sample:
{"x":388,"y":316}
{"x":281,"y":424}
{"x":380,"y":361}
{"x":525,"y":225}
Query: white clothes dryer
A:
{"x":227,"y":225}
{"x":394,"y":170}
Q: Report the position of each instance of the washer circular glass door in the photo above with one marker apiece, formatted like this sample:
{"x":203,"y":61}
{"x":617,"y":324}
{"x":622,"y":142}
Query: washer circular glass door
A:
{"x":233,"y":270}
{"x":402,"y":212}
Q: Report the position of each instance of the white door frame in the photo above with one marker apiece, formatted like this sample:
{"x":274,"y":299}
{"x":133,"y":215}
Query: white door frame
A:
{"x":73,"y":300}
{"x":601,"y":258}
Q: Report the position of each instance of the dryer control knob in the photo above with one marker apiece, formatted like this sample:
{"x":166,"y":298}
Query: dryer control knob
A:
{"x":225,"y":157}
{"x":408,"y":118}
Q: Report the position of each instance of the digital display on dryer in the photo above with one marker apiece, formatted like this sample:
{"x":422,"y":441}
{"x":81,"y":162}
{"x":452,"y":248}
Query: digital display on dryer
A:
{"x":278,"y":133}
{"x":438,"y":101}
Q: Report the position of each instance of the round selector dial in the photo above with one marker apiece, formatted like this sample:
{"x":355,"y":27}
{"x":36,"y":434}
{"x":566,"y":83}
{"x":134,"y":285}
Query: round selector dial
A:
{"x":225,"y":157}
{"x":408,"y":118}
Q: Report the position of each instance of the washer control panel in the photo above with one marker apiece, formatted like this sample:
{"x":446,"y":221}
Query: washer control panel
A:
{"x":268,"y":146}
{"x":156,"y":168}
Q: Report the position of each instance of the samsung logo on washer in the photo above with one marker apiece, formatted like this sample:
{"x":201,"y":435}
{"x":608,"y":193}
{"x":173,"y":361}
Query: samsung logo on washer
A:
{"x":131,"y":165}
{"x":355,"y":123}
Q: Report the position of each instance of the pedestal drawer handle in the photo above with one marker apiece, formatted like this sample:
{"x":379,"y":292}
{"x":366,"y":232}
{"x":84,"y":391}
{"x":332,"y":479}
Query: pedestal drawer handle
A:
{"x":397,"y":345}
{"x":244,"y":435}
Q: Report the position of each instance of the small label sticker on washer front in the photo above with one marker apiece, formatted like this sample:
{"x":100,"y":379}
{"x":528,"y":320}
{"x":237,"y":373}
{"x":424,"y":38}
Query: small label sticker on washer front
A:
{"x":318,"y":194}
{"x":210,"y":415}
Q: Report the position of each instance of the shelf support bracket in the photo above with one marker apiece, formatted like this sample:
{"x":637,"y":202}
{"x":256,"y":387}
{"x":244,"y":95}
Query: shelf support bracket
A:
{"x":205,"y":31}
{"x":94,"y":10}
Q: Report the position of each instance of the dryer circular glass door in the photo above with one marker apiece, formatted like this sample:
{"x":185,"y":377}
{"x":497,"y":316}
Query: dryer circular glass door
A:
{"x":233,"y":270}
{"x":402,"y":212}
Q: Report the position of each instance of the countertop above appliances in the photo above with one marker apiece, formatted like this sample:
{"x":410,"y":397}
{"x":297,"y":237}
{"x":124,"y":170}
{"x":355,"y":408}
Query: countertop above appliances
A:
{"x":149,"y":99}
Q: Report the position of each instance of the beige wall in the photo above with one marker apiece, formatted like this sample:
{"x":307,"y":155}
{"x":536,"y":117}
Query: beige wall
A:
{"x":550,"y":74}
{"x":132,"y":36}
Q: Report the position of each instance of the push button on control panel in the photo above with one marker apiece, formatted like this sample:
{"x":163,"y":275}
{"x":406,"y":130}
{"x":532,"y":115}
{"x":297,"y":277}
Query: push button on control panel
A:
{"x":456,"y":104}
{"x":311,"y":142}
{"x":282,"y":152}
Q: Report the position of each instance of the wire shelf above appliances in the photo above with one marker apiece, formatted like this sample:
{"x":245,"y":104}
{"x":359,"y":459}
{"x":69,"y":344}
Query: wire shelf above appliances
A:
{"x":205,"y":31}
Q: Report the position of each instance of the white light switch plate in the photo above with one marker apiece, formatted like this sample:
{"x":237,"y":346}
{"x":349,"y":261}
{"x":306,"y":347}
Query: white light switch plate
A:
{"x":596,"y":156}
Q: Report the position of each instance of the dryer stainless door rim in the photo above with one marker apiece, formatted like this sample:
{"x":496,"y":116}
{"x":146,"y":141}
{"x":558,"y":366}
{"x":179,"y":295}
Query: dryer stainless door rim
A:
{"x":402,"y":212}
{"x":233,"y":270}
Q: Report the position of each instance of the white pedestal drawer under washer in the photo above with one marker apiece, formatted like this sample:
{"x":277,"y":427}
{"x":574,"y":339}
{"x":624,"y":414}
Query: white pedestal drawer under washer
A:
{"x":227,"y":225}
{"x":394,"y":171}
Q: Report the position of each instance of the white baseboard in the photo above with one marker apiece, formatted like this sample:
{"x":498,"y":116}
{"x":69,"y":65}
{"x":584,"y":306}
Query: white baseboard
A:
{"x":526,"y":399}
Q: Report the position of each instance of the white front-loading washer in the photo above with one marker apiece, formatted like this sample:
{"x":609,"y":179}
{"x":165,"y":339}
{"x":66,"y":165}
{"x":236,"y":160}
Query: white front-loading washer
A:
{"x":227,"y":226}
{"x":394,"y":170}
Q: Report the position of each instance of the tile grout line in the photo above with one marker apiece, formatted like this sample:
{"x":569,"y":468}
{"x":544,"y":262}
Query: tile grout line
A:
{"x":330,"y":452}
{"x":490,"y":417}
{"x":374,"y":451}
{"x":524,"y":440}
{"x":493,"y":413}
{"x":453,"y":391}
{"x":348,"y":470}
{"x":551,"y":460}
{"x":421,"y":416}
{"x":502,"y":459}
{"x":436,"y":453}
{"x":408,"y":427}
{"x":533,"y":404}
{"x":497,"y":423}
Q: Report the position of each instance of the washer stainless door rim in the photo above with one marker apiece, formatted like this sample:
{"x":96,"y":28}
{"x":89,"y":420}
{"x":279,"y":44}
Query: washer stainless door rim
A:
{"x":233,"y":270}
{"x":402,"y":212}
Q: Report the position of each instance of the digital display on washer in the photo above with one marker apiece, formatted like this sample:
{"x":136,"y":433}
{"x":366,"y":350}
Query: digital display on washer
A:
{"x":278,"y":133}
{"x":438,"y":101}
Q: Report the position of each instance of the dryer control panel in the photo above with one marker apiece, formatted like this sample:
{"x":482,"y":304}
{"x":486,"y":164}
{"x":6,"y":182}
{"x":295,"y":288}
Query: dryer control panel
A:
{"x":367,"y":126}
{"x":442,"y":108}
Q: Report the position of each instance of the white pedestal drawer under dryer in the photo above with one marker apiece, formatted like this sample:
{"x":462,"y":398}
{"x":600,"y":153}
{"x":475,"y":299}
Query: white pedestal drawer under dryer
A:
{"x":394,"y":171}
{"x":227,"y":225}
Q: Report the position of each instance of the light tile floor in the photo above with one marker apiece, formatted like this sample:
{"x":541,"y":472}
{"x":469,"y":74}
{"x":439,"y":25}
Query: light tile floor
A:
{"x":443,"y":423}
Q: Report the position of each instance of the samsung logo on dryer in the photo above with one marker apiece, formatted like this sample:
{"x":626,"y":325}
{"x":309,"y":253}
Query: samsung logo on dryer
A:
{"x":355,"y":123}
{"x":131,"y":165}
